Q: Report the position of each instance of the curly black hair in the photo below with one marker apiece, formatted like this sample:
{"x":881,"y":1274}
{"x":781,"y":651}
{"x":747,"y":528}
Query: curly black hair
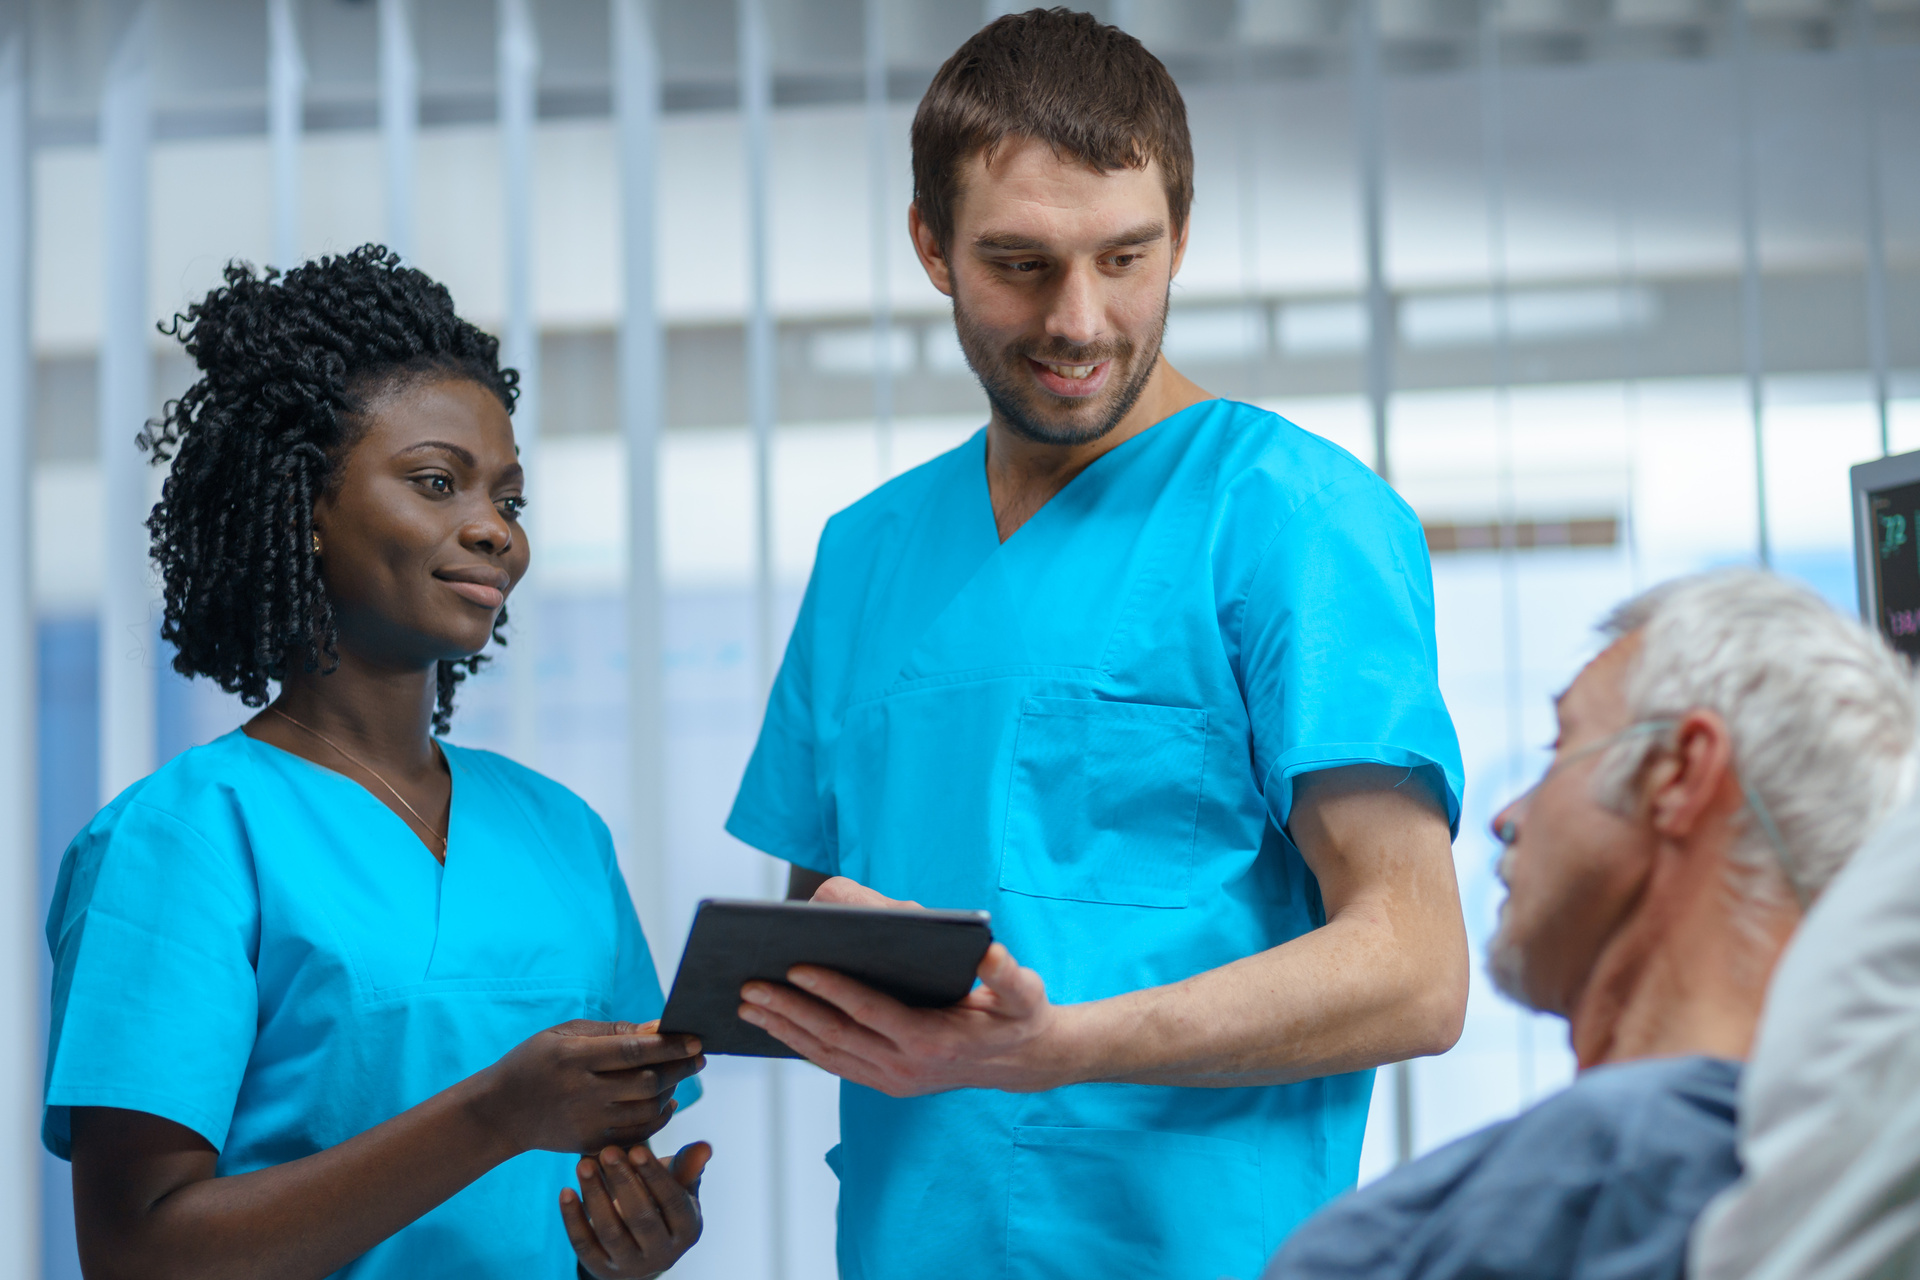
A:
{"x":289,"y":364}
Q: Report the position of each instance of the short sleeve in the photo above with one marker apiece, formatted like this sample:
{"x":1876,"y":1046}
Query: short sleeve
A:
{"x":154,"y":930}
{"x":779,"y":809}
{"x":1337,"y":650}
{"x":636,"y":984}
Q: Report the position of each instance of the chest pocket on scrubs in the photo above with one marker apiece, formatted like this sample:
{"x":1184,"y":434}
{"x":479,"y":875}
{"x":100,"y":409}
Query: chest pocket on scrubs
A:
{"x":1104,"y":801}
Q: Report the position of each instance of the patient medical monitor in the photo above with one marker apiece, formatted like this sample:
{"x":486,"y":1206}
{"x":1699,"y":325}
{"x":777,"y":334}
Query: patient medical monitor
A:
{"x":1886,"y":547}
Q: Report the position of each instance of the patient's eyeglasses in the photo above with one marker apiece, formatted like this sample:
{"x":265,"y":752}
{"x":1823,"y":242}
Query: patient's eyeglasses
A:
{"x":1508,"y":832}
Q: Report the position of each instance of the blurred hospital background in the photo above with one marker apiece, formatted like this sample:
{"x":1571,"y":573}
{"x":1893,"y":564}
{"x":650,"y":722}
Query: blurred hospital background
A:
{"x":1609,"y":289}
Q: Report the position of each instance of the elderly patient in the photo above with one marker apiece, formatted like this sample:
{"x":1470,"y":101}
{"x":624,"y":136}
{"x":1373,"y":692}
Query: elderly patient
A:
{"x":1716,"y":764}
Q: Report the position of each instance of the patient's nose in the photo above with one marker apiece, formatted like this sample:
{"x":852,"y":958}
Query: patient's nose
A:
{"x":1505,"y":824}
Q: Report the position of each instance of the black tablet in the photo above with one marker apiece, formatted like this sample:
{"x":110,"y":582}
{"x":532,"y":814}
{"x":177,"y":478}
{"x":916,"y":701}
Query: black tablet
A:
{"x":922,"y":958}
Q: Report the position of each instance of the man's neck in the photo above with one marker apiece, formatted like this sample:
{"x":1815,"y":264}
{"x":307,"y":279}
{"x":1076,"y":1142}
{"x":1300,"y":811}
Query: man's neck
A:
{"x":1023,"y":475}
{"x":1689,"y":980}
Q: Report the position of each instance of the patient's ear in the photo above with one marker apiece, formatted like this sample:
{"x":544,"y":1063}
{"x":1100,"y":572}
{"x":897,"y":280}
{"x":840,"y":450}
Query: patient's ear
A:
{"x":1692,"y":781}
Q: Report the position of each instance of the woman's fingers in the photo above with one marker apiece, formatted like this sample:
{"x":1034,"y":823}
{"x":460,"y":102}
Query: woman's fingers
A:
{"x":631,"y":1123}
{"x":635,"y":1195}
{"x":624,"y":1052}
{"x":648,"y":1082}
{"x":679,"y":1210}
{"x":586,"y":1245}
{"x":583,"y":1085}
{"x":690,"y":1163}
{"x":609,"y":1224}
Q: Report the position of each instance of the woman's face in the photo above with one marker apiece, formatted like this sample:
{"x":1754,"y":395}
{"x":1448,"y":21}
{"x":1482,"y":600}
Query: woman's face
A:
{"x":420,"y":539}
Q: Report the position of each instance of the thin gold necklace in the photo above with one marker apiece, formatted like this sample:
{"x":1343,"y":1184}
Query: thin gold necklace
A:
{"x":370,"y":769}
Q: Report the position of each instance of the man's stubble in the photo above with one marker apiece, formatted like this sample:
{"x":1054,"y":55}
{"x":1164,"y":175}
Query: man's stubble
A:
{"x":1001,"y":378}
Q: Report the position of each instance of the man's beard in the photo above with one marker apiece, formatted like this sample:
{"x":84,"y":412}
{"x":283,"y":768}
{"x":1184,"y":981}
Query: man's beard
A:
{"x":1508,"y":969}
{"x":1505,"y":963}
{"x":1033,"y":413}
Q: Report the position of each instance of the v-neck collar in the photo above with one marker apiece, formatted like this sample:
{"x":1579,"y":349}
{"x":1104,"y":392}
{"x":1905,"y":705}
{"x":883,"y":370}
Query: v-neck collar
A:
{"x":969,"y":602}
{"x":1125,"y":446}
{"x":453,"y":792}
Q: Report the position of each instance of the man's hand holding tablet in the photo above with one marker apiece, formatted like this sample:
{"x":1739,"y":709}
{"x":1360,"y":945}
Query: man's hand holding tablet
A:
{"x":909,"y":959}
{"x":1004,"y":1034}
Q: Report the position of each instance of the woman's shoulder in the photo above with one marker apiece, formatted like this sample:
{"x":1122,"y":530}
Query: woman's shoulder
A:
{"x":193,"y":787}
{"x":185,"y":824}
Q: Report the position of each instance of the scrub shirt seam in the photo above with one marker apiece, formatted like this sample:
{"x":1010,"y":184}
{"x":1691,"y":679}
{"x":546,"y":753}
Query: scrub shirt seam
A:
{"x":252,"y":907}
{"x":1309,"y":500}
{"x":118,"y":917}
{"x":1244,"y":678}
{"x":974,"y":675}
{"x":490,"y":988}
{"x":1286,"y":522}
{"x":1350,"y":753}
{"x":1260,"y":564}
{"x":171,"y":1107}
{"x":1246,"y":600}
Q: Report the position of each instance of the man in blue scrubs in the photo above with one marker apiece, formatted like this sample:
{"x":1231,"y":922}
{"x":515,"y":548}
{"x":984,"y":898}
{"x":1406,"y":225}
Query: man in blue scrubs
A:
{"x":1150,"y":676}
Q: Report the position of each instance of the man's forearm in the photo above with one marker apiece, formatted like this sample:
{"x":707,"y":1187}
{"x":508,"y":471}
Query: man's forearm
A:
{"x":1384,"y":979}
{"x":1341,"y":998}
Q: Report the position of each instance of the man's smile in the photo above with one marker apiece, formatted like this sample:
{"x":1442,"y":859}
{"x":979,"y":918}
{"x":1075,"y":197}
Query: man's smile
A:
{"x":1075,"y":380}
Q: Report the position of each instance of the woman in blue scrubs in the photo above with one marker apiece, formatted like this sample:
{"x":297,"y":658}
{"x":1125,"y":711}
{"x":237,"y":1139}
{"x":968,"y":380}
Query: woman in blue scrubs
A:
{"x":332,"y":996}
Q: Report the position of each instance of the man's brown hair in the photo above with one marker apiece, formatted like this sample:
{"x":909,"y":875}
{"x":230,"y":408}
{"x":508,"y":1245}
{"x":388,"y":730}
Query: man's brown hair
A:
{"x":1090,"y":91}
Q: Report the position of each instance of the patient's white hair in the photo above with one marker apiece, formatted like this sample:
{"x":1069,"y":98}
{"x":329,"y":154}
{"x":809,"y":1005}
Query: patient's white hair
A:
{"x":1821,"y":712}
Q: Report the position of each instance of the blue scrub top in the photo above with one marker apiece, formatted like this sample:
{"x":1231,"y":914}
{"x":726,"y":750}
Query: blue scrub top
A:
{"x":1092,"y":731}
{"x":255,"y":947}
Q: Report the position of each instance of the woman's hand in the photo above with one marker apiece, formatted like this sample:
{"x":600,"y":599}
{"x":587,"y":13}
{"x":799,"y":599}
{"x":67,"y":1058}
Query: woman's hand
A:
{"x":584,"y":1085}
{"x":634,"y":1216}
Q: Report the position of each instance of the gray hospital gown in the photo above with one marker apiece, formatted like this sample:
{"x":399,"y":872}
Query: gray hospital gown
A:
{"x":1599,"y":1182}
